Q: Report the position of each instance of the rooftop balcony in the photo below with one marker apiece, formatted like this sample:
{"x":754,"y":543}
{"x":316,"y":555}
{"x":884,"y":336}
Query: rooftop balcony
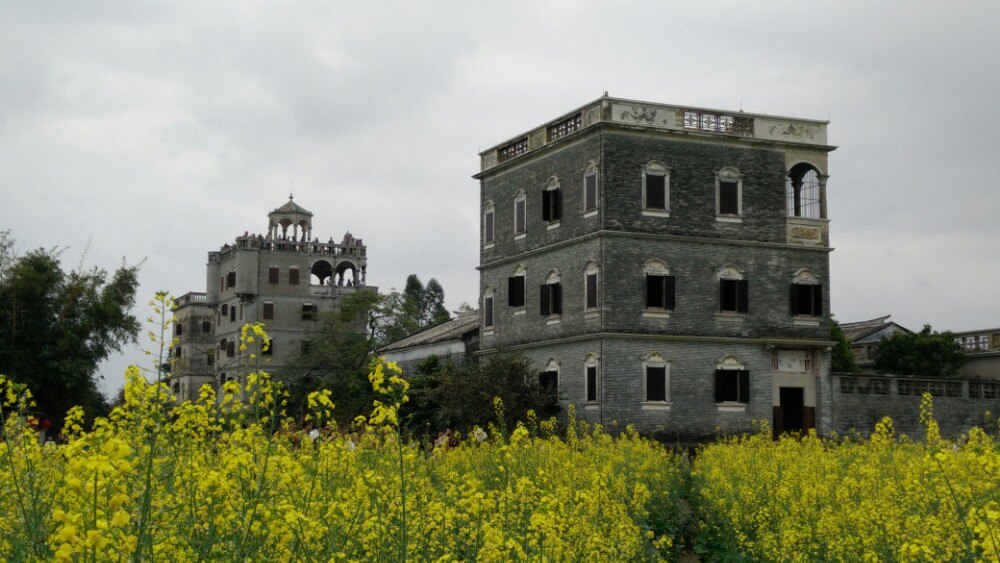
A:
{"x":191,"y":298}
{"x":647,"y":115}
{"x":356,"y":249}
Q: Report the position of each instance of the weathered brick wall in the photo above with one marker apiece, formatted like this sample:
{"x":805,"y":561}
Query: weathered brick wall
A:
{"x":858,"y":408}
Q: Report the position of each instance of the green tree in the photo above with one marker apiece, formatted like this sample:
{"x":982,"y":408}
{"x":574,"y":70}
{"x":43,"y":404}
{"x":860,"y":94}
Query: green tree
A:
{"x":417,"y":308}
{"x":927,"y":353}
{"x":337,"y":358}
{"x":57,"y":326}
{"x":841,"y":357}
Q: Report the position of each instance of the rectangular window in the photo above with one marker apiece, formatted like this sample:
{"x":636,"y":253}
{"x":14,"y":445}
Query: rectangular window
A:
{"x":591,"y":286}
{"x":306,"y":347}
{"x":210,"y":359}
{"x":272,"y":274}
{"x":231,"y":279}
{"x":732,"y":386}
{"x":549,"y":380}
{"x":231,"y":349}
{"x":515,"y":291}
{"x":206,"y":326}
{"x":590,"y":192}
{"x":729,"y":198}
{"x":520,"y":220}
{"x":661,"y":292}
{"x":734,"y":296}
{"x":241,"y":311}
{"x":232,"y":313}
{"x":656,"y":383}
{"x":177,"y":352}
{"x":225,"y":309}
{"x":488,"y":311}
{"x":178,"y":329}
{"x":309,"y":312}
{"x":591,"y":384}
{"x":222,"y":283}
{"x":222,"y":344}
{"x":551,"y":205}
{"x":488,"y":227}
{"x":293,"y":276}
{"x":807,"y":299}
{"x":656,"y":191}
{"x":268,"y":311}
{"x":551,"y":299}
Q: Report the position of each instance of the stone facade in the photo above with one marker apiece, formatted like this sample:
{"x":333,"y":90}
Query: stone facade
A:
{"x":286,"y":279}
{"x":689,"y":238}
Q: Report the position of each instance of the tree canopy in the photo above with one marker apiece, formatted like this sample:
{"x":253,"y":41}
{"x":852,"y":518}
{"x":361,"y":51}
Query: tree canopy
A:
{"x":57,"y":326}
{"x":927,"y":353}
{"x":418,"y":307}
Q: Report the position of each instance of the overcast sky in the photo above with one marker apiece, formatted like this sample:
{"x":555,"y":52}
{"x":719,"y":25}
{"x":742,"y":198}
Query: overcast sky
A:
{"x":161,"y":131}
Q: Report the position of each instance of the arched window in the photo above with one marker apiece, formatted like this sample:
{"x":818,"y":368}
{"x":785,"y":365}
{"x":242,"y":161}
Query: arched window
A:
{"x":734,"y":291}
{"x":515,"y":288}
{"x":732,"y":382}
{"x":549,"y":379}
{"x":803,"y":187}
{"x":590,"y":366}
{"x":550,"y":296}
{"x":488,"y":308}
{"x":489,"y":224}
{"x":520,"y":215}
{"x":656,"y":189}
{"x":661,"y":288}
{"x":590,"y":281}
{"x":590,"y":190}
{"x":806,"y":296}
{"x":552,"y":203}
{"x":729,"y":195}
{"x":656,"y":379}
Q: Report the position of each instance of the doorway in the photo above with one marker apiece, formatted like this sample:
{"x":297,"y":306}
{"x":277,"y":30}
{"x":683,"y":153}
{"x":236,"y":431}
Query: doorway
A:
{"x":791,"y":400}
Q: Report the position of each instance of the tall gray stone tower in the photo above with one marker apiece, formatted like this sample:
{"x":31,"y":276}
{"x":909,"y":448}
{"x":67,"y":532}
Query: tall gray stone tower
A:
{"x":285,"y":278}
{"x":664,"y":266}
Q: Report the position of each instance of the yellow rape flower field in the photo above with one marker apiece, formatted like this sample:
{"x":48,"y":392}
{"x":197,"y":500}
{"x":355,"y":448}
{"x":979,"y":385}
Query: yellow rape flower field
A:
{"x":231,"y":477}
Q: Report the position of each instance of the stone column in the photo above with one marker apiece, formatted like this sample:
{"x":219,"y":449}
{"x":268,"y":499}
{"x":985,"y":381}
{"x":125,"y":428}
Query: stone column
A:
{"x":822,"y":196}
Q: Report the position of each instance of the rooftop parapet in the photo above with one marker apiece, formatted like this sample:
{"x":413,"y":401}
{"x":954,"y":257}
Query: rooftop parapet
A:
{"x":191,"y":298}
{"x":683,"y":119}
{"x":354,"y":247}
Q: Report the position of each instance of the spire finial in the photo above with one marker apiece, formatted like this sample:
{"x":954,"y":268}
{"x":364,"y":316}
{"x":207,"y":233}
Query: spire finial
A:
{"x":290,"y":196}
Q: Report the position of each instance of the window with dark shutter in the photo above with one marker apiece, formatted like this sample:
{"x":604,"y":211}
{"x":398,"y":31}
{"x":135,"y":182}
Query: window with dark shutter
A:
{"x":744,"y":383}
{"x":515,"y":291}
{"x":556,"y":289}
{"x":209,"y":359}
{"x":660,"y":292}
{"x":543,"y":300}
{"x":551,"y":205}
{"x":519,"y":215}
{"x":222,"y":344}
{"x":272,"y":274}
{"x":177,"y":352}
{"x":309,"y":312}
{"x":179,"y":329}
{"x":590,"y":192}
{"x":591,"y":384}
{"x":232,"y":314}
{"x":268,"y":311}
{"x":225,"y":309}
{"x":293,"y":276}
{"x":206,"y":326}
{"x":488,"y":311}
{"x":230,"y":349}
{"x":488,"y":227}
{"x":726,"y":386}
{"x":729,"y":198}
{"x":656,"y":191}
{"x":656,"y":383}
{"x":241,"y":311}
{"x":550,"y":299}
{"x":549,"y":380}
{"x":231,"y":279}
{"x":592,"y":291}
{"x":807,"y":299}
{"x":734,"y":296}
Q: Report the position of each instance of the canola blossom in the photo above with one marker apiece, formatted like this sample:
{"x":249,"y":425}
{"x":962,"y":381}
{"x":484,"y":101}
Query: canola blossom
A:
{"x":231,"y":477}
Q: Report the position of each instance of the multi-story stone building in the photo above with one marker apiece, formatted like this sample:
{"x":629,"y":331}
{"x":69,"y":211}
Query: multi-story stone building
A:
{"x":286,"y":279}
{"x":664,"y":266}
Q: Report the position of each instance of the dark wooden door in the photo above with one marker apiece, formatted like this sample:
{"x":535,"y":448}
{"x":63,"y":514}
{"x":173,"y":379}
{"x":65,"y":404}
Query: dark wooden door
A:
{"x":791,"y":409}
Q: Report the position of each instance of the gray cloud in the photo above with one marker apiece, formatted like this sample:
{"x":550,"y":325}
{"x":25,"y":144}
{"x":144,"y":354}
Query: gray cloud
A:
{"x":162,"y":131}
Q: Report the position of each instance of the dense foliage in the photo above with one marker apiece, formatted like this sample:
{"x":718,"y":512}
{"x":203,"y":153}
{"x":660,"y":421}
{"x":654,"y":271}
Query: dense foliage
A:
{"x":56,"y":326}
{"x":841,"y":356}
{"x":417,"y":308}
{"x":928,"y":353}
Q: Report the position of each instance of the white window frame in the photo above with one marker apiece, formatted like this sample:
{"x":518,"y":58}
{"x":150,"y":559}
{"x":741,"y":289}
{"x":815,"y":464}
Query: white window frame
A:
{"x":656,"y":360}
{"x":591,"y":170}
{"x":730,"y":363}
{"x":591,"y":270}
{"x":491,"y":295}
{"x":552,"y":186}
{"x":521,"y":197}
{"x":732,"y":273}
{"x":553,"y":278}
{"x":489,"y":209}
{"x":729,"y":174}
{"x":656,"y":168}
{"x":591,"y":362}
{"x":653,"y":267}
